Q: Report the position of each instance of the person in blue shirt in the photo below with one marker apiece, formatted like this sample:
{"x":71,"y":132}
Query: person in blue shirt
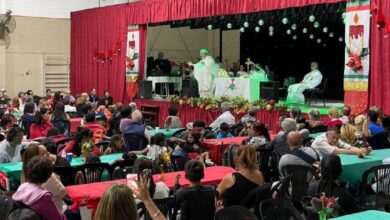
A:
{"x":224,"y":131}
{"x":373,"y":125}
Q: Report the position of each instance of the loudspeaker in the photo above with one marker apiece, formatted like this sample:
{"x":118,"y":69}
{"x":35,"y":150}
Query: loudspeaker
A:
{"x":190,"y":88}
{"x":269,"y":90}
{"x":145,"y":90}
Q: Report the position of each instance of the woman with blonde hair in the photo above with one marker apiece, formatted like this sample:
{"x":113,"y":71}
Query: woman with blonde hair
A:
{"x":361,"y":125}
{"x":234,"y":187}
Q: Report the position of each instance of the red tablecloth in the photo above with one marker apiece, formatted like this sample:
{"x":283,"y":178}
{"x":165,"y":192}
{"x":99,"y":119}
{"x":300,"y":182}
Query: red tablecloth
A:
{"x":218,"y":146}
{"x":94,"y":191}
{"x":74,"y":124}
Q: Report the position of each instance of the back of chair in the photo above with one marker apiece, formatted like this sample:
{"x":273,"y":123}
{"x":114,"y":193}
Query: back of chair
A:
{"x":165,"y":206}
{"x":255,"y":197}
{"x":379,"y":141}
{"x":66,"y":174}
{"x":93,"y":172}
{"x":267,"y":160}
{"x":134,"y":142}
{"x":278,"y":209}
{"x":121,"y":168}
{"x":63,"y":126}
{"x":299,"y":181}
{"x":381,"y":179}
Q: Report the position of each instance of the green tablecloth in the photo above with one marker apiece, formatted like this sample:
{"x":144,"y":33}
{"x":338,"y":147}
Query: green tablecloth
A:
{"x":168,"y":134}
{"x":367,"y":215}
{"x":354,"y":167}
{"x":14,"y":170}
{"x":314,"y":135}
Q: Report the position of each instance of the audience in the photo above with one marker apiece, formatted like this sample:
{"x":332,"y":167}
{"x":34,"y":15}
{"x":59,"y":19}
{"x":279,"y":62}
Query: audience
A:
{"x":125,"y":118}
{"x":334,"y":117}
{"x":92,"y":98}
{"x":156,"y":148}
{"x":116,"y":145}
{"x":91,"y":124}
{"x":346,"y":115}
{"x":373,"y":126}
{"x":10,"y":148}
{"x":106,"y":100}
{"x":156,"y":190}
{"x":330,"y":143}
{"x":60,"y":119}
{"x":226,"y":117}
{"x":250,"y":117}
{"x":136,"y":128}
{"x":28,"y":117}
{"x":279,"y":144}
{"x":234,"y":187}
{"x":361,"y":125}
{"x":299,"y":155}
{"x":81,"y":144}
{"x":53,"y":184}
{"x":259,"y":135}
{"x":172,"y":120}
{"x":224,"y":131}
{"x":41,"y":124}
{"x":38,"y":171}
{"x":295,"y":113}
{"x":314,"y":123}
{"x":6,"y":124}
{"x":196,"y":195}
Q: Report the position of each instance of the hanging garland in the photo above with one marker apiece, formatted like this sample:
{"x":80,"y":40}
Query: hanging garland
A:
{"x":106,"y":56}
{"x":382,"y":21}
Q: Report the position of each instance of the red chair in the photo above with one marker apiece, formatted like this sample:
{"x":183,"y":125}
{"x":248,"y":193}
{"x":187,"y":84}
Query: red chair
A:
{"x":74,"y":124}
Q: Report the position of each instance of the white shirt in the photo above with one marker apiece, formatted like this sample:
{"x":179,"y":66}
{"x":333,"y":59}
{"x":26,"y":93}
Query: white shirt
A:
{"x":312,"y":79}
{"x":226,"y":117}
{"x":241,"y":73}
{"x":162,"y":191}
{"x":69,"y":108}
{"x":321,"y":145}
{"x":155,"y":150}
{"x":9,"y":154}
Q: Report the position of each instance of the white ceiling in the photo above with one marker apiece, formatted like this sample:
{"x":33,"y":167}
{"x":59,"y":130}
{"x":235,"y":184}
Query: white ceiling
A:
{"x":52,"y":8}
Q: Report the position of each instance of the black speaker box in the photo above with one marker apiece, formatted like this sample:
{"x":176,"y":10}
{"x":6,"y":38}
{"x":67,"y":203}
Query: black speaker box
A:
{"x":145,"y":90}
{"x":190,"y":88}
{"x":269,"y":90}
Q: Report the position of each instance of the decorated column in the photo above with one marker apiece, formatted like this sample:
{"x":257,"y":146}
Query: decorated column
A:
{"x":132,"y":61}
{"x":357,"y":60}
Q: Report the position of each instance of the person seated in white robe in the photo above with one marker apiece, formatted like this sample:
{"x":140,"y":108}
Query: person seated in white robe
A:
{"x":310,"y":81}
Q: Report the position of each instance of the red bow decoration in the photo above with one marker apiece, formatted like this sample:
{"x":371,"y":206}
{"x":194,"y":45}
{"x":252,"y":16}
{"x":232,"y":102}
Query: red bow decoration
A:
{"x":106,"y":56}
{"x":355,"y":62}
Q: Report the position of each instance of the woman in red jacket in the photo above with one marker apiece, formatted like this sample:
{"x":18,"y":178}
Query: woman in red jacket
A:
{"x":41,"y":124}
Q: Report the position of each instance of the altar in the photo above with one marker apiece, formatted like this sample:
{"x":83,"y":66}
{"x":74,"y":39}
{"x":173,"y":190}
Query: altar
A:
{"x":248,"y":88}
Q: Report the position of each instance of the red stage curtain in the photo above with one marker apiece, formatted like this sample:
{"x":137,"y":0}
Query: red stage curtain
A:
{"x":98,"y":30}
{"x":380,"y":61}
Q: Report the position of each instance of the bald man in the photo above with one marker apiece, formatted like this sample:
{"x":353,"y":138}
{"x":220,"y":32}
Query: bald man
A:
{"x":310,"y":81}
{"x":299,"y":155}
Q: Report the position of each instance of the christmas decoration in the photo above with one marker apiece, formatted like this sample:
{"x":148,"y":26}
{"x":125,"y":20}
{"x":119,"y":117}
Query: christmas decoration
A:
{"x":331,"y":34}
{"x":312,"y":18}
{"x":316,"y":24}
{"x":229,"y":25}
{"x":325,"y":30}
{"x":288,"y":32}
{"x":210,"y":27}
{"x":294,"y":37}
{"x":304,"y":30}
{"x":257,"y":29}
{"x":285,"y":20}
{"x":271,"y":28}
{"x":294,"y":26}
{"x":261,"y":22}
{"x":242,"y":30}
{"x":246,"y":24}
{"x":106,"y":56}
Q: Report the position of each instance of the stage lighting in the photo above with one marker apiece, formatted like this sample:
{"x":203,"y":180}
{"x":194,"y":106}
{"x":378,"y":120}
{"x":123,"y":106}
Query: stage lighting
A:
{"x":285,"y":20}
{"x":257,"y":29}
{"x":229,"y":25}
{"x":288,"y":31}
{"x":325,"y":30}
{"x":261,"y":22}
{"x":319,"y":41}
{"x":294,"y":26}
{"x":316,"y":24}
{"x":331,"y":34}
{"x":242,"y":30}
{"x":311,"y":36}
{"x":246,"y":24}
{"x":210,"y":27}
{"x":271,"y":28}
{"x":312,"y":18}
{"x":271,"y":33}
{"x":341,"y":39}
{"x":304,"y":30}
{"x":294,"y":37}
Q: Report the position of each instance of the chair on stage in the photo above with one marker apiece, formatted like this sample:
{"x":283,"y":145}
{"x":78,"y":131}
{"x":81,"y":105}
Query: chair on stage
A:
{"x":288,"y":81}
{"x":312,"y":93}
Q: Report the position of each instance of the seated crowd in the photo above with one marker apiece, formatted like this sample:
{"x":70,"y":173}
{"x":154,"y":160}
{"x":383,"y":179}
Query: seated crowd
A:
{"x":37,"y":132}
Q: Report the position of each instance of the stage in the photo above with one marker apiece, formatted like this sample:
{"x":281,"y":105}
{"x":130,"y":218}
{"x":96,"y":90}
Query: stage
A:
{"x":190,"y":110}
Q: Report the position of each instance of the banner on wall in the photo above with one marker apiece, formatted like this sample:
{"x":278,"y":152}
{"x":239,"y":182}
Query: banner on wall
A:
{"x":357,"y":57}
{"x":132,"y":60}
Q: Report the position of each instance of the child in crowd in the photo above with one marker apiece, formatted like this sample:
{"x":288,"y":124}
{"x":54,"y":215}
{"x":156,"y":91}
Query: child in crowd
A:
{"x":157,"y":147}
{"x":116,"y":145}
{"x":191,"y":144}
{"x":224,"y":131}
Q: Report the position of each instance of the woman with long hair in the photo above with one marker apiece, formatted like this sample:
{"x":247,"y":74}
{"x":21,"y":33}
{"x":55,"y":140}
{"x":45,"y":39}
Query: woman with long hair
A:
{"x":60,"y":119}
{"x":81,"y":144}
{"x":234,"y":187}
{"x":41,"y":124}
{"x":53,"y":184}
{"x":259,"y":135}
{"x":156,"y":191}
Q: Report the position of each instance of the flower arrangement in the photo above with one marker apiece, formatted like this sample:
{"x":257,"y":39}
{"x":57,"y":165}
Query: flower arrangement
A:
{"x":223,"y":73}
{"x":239,"y":104}
{"x":85,"y":148}
{"x":324,"y":206}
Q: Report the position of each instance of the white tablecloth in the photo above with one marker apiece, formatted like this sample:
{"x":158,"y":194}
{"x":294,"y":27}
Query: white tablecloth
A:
{"x":249,"y":88}
{"x":166,"y":79}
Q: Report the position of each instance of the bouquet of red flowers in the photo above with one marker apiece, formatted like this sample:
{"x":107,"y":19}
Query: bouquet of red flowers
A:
{"x":323,"y":205}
